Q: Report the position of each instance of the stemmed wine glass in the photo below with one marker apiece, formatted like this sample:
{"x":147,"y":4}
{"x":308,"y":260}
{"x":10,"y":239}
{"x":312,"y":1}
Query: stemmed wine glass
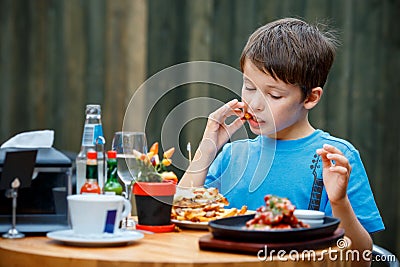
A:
{"x":128,"y":146}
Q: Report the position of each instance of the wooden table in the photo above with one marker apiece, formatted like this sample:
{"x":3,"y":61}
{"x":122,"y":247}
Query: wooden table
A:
{"x":165,"y":249}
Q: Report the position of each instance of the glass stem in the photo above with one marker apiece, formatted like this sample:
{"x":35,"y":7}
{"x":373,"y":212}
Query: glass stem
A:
{"x":128,"y":196}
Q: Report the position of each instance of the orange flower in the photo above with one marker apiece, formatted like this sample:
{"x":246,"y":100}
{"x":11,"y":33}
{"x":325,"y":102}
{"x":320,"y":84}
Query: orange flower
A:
{"x":168,"y":154}
{"x":154,"y":148}
{"x":166,"y":162}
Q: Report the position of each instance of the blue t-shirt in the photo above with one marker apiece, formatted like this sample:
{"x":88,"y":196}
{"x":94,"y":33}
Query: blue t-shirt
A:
{"x":247,"y":170}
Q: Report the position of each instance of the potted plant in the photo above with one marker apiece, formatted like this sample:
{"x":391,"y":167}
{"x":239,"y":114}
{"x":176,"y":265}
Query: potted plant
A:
{"x":154,"y":190}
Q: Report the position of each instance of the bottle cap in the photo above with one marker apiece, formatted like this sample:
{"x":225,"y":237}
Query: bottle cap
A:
{"x":111,"y":154}
{"x":93,"y":109}
{"x":92,"y":155}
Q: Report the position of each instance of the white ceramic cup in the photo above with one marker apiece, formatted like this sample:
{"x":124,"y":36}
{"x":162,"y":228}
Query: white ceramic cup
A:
{"x":97,"y":214}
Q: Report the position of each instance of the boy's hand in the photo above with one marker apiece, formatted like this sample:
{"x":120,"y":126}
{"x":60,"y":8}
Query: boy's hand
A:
{"x":336,"y":172}
{"x":217,"y":132}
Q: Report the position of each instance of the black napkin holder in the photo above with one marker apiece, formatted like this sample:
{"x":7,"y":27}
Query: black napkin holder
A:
{"x":41,"y":203}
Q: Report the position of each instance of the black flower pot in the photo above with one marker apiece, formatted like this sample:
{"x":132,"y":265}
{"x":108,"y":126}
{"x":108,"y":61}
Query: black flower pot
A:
{"x":154,"y":202}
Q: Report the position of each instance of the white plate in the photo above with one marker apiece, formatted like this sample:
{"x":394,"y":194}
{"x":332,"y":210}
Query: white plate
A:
{"x":313,"y":223}
{"x":191,"y":225}
{"x":309,"y":214}
{"x":117,"y":239}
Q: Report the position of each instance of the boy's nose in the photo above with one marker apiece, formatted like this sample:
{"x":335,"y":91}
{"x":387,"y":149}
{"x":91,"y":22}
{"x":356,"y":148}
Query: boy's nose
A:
{"x":257,"y":102}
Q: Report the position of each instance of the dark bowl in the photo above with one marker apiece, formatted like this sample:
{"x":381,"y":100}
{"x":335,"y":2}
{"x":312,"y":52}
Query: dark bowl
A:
{"x":234,"y":228}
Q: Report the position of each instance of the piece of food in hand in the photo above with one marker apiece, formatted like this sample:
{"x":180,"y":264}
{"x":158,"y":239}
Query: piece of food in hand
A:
{"x":248,"y":116}
{"x":276,"y":214}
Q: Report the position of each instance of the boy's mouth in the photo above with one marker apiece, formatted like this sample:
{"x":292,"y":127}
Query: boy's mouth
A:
{"x":253,"y":120}
{"x":248,"y":116}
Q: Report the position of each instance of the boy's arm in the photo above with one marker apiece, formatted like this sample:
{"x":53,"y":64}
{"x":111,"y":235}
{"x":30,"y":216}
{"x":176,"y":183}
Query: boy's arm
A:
{"x":336,"y":177}
{"x":197,"y":171}
{"x":216,"y":134}
{"x":360,"y":238}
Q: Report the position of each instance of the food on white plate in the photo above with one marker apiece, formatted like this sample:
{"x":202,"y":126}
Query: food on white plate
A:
{"x":277,"y":214}
{"x":198,"y":197}
{"x":202,"y":205}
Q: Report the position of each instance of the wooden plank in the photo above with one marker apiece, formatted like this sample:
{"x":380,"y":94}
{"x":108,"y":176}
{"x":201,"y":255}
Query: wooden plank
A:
{"x":386,"y":122}
{"x":338,"y":84}
{"x":221,"y":41}
{"x":75,"y":52}
{"x":55,"y":75}
{"x":115,"y":69}
{"x":95,"y":46}
{"x":6,"y":53}
{"x":199,"y":39}
{"x":167,"y":46}
{"x":364,"y":63}
{"x":137,"y":60}
{"x":241,"y":29}
{"x":200,"y":29}
{"x":96,"y":60}
{"x":267,"y":11}
{"x":38,"y":59}
{"x":314,"y":13}
{"x":19,"y":68}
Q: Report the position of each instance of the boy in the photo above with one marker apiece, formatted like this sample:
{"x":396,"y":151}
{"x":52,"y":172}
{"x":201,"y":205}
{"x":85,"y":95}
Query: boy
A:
{"x":285,"y":64}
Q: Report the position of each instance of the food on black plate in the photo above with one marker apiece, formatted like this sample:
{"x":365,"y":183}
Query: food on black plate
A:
{"x":275,"y":215}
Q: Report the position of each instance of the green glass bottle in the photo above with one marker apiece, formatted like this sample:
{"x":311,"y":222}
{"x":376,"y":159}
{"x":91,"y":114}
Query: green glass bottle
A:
{"x":112,"y":186}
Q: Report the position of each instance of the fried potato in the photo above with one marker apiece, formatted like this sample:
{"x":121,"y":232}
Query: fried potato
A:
{"x":243,"y":210}
{"x":229,"y":213}
{"x":206,"y":213}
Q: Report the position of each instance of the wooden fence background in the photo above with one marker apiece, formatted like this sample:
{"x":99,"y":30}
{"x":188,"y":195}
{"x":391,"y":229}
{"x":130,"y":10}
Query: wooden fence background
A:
{"x":56,"y":56}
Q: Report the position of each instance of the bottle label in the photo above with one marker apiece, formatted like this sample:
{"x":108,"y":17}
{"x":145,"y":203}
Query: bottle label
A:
{"x":90,"y":133}
{"x":98,"y":132}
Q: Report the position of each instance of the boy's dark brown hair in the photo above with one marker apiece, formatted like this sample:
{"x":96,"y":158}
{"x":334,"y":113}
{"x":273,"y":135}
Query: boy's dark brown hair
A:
{"x":293,"y":51}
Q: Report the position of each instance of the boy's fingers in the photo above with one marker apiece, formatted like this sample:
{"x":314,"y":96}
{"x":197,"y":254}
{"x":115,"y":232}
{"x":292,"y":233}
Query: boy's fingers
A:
{"x":338,"y":158}
{"x":322,"y":152}
{"x":332,"y":149}
{"x":232,"y":108}
{"x":339,"y":169}
{"x":234,"y":126}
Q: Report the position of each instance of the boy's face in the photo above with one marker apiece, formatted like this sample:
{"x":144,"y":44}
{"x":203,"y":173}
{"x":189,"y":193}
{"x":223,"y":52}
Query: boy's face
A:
{"x":276,"y":107}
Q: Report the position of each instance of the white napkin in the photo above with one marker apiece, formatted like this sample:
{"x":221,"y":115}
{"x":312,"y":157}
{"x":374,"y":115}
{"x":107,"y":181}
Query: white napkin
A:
{"x":33,"y":139}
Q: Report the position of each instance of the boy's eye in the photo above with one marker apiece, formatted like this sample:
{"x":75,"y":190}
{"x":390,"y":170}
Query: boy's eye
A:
{"x":249,"y":88}
{"x":275,"y":96}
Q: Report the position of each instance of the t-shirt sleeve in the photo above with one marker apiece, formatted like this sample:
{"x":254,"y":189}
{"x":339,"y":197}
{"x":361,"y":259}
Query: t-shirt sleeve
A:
{"x":361,"y":196}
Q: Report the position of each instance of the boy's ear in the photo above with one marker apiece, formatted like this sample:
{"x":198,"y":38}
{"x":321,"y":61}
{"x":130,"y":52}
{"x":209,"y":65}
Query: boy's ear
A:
{"x":313,"y":98}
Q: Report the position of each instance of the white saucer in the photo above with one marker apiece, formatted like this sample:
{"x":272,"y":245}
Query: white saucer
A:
{"x":117,"y":239}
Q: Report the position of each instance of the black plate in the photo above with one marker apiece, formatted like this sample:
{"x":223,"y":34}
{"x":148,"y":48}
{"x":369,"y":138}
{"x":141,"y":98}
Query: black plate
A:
{"x":233,"y":228}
